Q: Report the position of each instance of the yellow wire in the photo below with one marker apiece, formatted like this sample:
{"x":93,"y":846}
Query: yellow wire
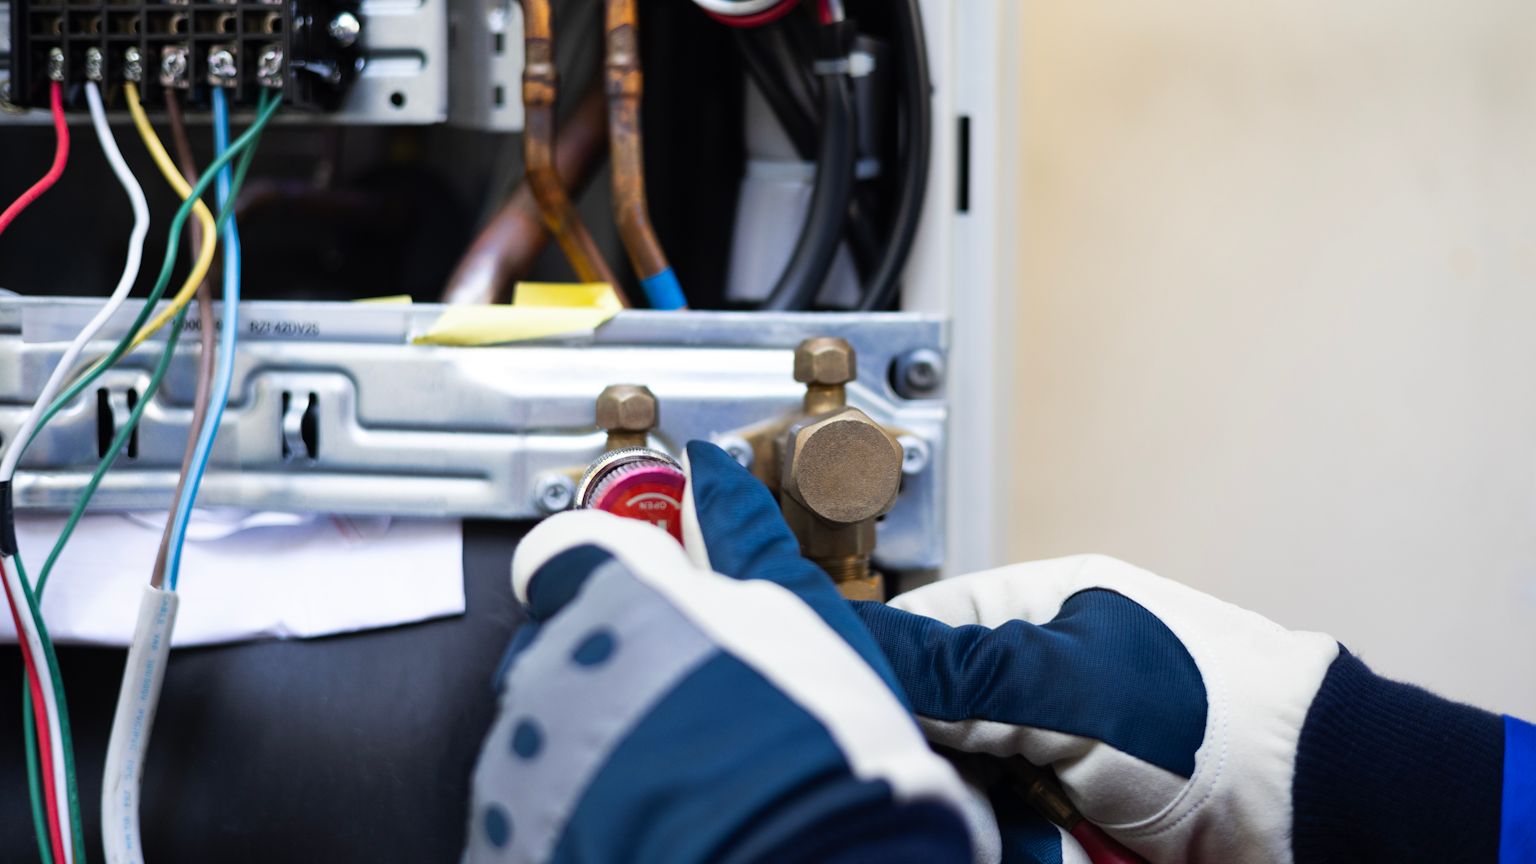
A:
{"x":199,"y":209}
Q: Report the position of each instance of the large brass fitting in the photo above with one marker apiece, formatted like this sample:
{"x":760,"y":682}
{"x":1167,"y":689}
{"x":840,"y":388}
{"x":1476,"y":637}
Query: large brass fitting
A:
{"x":840,"y":471}
{"x":628,"y":413}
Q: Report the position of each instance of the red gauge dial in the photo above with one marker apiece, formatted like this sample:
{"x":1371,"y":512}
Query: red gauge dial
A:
{"x":637,"y":483}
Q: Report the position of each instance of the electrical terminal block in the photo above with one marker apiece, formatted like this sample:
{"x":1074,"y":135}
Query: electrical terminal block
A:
{"x":310,"y":50}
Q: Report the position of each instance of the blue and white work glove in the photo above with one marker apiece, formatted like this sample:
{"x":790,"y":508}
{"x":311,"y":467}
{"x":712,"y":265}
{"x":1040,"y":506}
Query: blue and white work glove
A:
{"x":655,"y":710}
{"x":1192,"y":730}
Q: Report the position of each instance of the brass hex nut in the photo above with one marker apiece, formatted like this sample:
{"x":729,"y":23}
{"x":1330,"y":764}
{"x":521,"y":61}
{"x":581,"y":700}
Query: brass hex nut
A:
{"x":825,"y":360}
{"x":626,"y":408}
{"x":843,"y":467}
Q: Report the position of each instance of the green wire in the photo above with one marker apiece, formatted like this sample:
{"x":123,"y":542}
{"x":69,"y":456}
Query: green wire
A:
{"x":118,"y":442}
{"x":244,"y":147}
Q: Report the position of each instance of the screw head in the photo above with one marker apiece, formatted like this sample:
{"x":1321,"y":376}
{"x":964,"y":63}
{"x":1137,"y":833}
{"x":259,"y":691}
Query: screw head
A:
{"x":56,"y":64}
{"x":626,"y":408}
{"x":173,"y":66}
{"x":269,"y":67}
{"x":133,"y":65}
{"x":825,"y":360}
{"x":738,"y":448}
{"x":344,"y":29}
{"x":221,"y":66}
{"x":915,"y":454}
{"x":93,"y":64}
{"x":553,"y":493}
{"x":918,"y":373}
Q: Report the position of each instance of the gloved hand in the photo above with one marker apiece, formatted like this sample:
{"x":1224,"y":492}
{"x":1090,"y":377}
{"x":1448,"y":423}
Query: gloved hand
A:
{"x":655,"y":710}
{"x":1190,"y":729}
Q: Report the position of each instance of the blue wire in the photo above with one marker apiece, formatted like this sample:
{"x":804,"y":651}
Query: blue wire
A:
{"x":224,"y":373}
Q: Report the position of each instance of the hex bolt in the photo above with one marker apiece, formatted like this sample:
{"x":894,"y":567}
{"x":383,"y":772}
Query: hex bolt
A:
{"x":738,"y":448}
{"x":553,"y":493}
{"x":915,"y":454}
{"x":918,"y":373}
{"x":825,"y":365}
{"x":344,"y":29}
{"x":221,"y":67}
{"x":628,"y":413}
{"x":133,"y":65}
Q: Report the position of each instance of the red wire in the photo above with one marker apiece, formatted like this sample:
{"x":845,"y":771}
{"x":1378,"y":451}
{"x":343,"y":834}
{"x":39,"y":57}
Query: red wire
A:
{"x":767,"y":16}
{"x":40,"y":719}
{"x":60,"y":157}
{"x":824,"y":11}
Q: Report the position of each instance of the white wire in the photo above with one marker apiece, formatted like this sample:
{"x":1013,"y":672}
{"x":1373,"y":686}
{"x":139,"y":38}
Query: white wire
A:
{"x":50,"y":390}
{"x":737,"y":8}
{"x":50,"y":704}
{"x":130,"y":275}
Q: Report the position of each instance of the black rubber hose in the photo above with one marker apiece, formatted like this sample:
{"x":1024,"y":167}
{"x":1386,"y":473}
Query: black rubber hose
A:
{"x":822,"y":232}
{"x":771,"y":74}
{"x":917,"y":141}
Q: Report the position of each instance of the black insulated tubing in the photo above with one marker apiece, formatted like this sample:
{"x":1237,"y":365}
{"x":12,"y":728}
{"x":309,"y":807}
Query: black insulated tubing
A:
{"x":917,"y":122}
{"x":822,"y":232}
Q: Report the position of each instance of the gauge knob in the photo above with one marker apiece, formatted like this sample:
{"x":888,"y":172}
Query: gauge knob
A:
{"x":637,"y":483}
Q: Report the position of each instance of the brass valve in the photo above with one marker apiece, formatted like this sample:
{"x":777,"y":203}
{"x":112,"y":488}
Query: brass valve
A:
{"x":840,"y":471}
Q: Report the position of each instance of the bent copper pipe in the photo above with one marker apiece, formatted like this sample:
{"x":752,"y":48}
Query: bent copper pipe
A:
{"x":625,"y":87}
{"x":540,"y":86}
{"x":508,"y":245}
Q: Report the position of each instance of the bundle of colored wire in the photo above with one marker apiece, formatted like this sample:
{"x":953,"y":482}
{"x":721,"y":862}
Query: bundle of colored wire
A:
{"x":55,"y":171}
{"x":114,"y":302}
{"x":147,"y":655}
{"x":241,"y":145}
{"x":228,"y":335}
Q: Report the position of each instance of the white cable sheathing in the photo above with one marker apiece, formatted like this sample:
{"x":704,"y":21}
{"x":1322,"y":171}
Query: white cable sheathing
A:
{"x":130,"y":184}
{"x":132,"y":723}
{"x":50,"y":704}
{"x":737,"y":8}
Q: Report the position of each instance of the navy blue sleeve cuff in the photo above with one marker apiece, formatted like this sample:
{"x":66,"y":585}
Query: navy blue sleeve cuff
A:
{"x":1387,"y":771}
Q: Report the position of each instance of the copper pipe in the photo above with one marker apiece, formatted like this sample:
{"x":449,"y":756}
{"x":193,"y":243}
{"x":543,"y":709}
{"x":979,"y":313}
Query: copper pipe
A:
{"x":625,"y":87}
{"x":540,"y":86}
{"x":506,"y":248}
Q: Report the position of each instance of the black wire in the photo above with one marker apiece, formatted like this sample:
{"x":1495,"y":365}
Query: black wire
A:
{"x":767,"y":59}
{"x":916,"y":142}
{"x":822,"y":232}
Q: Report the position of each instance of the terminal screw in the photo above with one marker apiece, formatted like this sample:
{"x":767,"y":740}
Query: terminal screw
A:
{"x":173,"y":66}
{"x":56,"y":64}
{"x":344,"y":29}
{"x":221,"y":67}
{"x":269,"y":67}
{"x":133,"y":65}
{"x":93,"y":64}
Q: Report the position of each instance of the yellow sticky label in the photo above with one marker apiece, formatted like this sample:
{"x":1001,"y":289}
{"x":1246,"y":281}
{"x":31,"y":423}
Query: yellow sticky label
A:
{"x":539,"y":310}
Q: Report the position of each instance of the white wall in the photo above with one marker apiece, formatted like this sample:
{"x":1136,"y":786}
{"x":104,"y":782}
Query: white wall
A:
{"x":1277,"y":315}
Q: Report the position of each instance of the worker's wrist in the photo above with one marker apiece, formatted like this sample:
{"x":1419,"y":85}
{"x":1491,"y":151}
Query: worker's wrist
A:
{"x":1388,"y":771}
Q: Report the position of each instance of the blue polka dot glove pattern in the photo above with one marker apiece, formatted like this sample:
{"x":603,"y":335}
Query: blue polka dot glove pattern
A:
{"x":719,"y":703}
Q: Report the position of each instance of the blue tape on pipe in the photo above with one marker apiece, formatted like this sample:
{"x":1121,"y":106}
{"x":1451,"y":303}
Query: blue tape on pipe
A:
{"x":663,"y":291}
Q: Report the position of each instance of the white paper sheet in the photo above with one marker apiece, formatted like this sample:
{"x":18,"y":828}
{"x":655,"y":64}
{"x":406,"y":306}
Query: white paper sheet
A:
{"x":247,"y":575}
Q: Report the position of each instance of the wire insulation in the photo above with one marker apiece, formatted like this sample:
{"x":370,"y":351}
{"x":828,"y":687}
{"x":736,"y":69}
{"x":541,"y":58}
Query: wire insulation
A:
{"x":204,"y":260}
{"x":60,"y":159}
{"x":125,"y":282}
{"x":228,"y":336}
{"x":205,"y":335}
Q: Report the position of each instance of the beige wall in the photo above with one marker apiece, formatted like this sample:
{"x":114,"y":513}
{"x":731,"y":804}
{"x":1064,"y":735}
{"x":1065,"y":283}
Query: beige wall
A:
{"x":1277,"y":328}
